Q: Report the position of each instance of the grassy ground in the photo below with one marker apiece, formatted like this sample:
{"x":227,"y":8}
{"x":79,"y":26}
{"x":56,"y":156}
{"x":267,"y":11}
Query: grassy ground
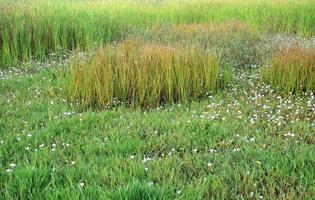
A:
{"x":246,"y":142}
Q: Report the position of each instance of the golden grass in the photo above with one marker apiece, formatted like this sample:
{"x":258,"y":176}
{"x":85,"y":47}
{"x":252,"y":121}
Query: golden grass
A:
{"x":146,"y":74}
{"x":193,"y":30}
{"x":292,"y":70}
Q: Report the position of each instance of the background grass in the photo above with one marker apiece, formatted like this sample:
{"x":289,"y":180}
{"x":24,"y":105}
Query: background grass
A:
{"x":33,"y":29}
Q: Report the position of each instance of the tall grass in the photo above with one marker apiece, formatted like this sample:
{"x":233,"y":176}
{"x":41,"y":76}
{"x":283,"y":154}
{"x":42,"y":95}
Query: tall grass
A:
{"x":236,"y":41}
{"x":292,"y":70}
{"x":146,"y":74}
{"x":32,"y":29}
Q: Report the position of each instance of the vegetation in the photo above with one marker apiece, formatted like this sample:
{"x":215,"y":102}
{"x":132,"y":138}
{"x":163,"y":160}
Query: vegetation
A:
{"x":235,"y":41}
{"x":145,"y":74}
{"x":33,"y":29}
{"x":244,"y":142}
{"x":155,"y":99}
{"x":292,"y":70}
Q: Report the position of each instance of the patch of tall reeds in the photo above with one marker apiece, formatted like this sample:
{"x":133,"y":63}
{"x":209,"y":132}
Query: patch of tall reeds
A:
{"x":146,"y":74}
{"x":292,"y":70}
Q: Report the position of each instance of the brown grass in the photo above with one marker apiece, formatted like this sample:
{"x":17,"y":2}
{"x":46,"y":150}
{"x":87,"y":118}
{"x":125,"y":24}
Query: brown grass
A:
{"x":292,"y":70}
{"x":146,"y":74}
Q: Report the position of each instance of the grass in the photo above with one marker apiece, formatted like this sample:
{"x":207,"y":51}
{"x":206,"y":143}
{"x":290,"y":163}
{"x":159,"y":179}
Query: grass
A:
{"x":251,"y":137}
{"x":292,"y":70}
{"x":235,"y":41}
{"x":33,"y":29}
{"x":146,"y":74}
{"x":245,"y":142}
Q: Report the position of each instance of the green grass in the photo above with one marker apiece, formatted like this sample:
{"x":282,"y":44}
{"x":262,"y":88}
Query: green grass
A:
{"x":139,"y":73}
{"x":33,"y":29}
{"x":248,"y":140}
{"x":236,"y":144}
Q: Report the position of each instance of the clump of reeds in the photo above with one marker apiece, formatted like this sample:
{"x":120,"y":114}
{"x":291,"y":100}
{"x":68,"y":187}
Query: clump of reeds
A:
{"x":292,"y":70}
{"x":146,"y":74}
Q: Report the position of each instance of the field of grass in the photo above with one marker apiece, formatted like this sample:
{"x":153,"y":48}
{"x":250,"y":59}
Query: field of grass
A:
{"x":33,"y":29}
{"x":157,"y":99}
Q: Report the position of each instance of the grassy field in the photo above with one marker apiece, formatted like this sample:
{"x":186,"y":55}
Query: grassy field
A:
{"x":157,"y":99}
{"x":33,"y":29}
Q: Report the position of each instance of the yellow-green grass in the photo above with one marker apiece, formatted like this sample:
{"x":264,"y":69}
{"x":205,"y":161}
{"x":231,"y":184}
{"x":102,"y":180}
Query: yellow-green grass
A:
{"x":236,"y":41}
{"x":194,"y":30}
{"x":292,"y":70}
{"x":146,"y":74}
{"x":32,"y":29}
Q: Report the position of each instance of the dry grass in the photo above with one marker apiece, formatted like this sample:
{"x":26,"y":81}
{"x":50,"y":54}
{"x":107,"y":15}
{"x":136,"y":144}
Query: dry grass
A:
{"x":146,"y":74}
{"x":293,"y":70}
{"x":193,"y":30}
{"x":234,"y":40}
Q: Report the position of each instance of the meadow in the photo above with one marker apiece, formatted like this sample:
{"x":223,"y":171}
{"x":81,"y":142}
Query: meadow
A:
{"x":157,"y":99}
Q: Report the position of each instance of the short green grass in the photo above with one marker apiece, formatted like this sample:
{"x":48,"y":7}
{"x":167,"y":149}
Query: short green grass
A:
{"x":246,"y":142}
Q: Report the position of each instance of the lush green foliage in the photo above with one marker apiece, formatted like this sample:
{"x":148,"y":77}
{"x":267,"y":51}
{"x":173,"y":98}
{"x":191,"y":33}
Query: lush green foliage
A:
{"x":292,"y":70}
{"x":244,"y":142}
{"x":146,"y":74}
{"x":32,"y":29}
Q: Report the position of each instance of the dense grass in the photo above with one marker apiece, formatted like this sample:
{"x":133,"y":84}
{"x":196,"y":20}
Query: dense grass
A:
{"x":246,"y":142}
{"x":32,"y":29}
{"x":293,"y":70}
{"x":236,"y":42}
{"x":146,"y":74}
{"x":251,"y":140}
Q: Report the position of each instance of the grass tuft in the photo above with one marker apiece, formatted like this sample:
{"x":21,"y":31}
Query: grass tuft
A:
{"x":146,"y":74}
{"x":293,"y":70}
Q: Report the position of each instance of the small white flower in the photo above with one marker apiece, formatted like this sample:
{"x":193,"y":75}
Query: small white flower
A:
{"x":209,"y":164}
{"x":8,"y":170}
{"x":72,"y":162}
{"x":81,"y":184}
{"x":41,"y":146}
{"x":146,"y":160}
{"x":236,"y":149}
{"x":13,"y":165}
